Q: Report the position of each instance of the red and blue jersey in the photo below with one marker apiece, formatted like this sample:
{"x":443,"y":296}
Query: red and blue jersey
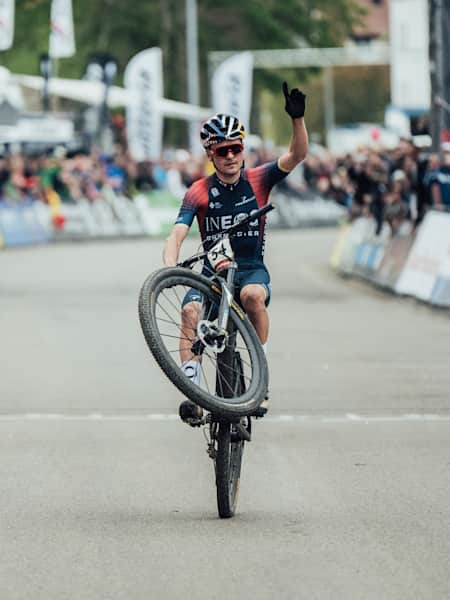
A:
{"x":217,"y":205}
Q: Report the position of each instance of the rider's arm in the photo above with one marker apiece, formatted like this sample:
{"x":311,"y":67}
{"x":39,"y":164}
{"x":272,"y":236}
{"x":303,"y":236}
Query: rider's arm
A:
{"x":295,"y":104}
{"x":173,"y":243}
{"x":298,"y":147}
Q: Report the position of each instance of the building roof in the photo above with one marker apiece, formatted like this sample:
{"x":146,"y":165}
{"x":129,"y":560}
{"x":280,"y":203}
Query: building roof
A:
{"x":376,"y":23}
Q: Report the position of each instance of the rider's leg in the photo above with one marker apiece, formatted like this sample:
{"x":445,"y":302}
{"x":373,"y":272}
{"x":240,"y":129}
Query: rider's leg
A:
{"x":253,"y":298}
{"x":190,"y":364}
{"x":190,"y":316}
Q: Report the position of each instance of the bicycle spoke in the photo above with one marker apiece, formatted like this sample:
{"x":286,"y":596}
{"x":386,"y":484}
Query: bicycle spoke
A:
{"x":234,"y":371}
{"x":168,"y":314}
{"x":223,"y":378}
{"x":214,"y":363}
{"x":246,"y":363}
{"x":173,"y":322}
{"x":205,"y":379}
{"x":177,"y":337}
{"x":169,"y":300}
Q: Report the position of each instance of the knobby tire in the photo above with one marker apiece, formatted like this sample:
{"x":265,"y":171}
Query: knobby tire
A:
{"x":221,"y":407}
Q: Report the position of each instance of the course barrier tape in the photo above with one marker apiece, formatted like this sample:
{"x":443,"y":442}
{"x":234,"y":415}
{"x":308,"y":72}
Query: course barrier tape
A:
{"x":409,"y":263}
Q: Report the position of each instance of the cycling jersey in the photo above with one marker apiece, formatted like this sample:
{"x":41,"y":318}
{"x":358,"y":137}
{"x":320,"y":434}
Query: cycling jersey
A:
{"x":217,"y":205}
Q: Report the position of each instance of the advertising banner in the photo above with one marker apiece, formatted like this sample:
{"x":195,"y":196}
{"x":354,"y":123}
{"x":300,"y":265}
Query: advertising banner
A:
{"x":144,"y":82}
{"x":62,"y":39}
{"x":393,"y":261}
{"x":232,"y":87}
{"x":6,"y":24}
{"x":427,"y":258}
{"x":410,"y":66}
{"x":24,"y":224}
{"x":362,"y":229}
{"x":336,"y":256}
{"x":440,"y":294}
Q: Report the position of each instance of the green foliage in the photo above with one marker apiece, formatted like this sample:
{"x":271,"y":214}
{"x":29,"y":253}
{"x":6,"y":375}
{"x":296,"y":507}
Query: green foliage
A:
{"x":360,"y":93}
{"x":124,"y":28}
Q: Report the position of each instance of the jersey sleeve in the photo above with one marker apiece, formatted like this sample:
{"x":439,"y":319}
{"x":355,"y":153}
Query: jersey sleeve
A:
{"x":189,"y":207}
{"x":263,"y":178}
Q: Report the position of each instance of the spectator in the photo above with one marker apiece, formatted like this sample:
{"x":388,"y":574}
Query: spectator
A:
{"x":4,"y":175}
{"x":397,"y":186}
{"x":144,"y":180}
{"x":439,"y":181}
{"x":116,"y":173}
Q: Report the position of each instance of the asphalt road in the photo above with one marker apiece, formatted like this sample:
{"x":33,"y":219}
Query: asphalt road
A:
{"x":105,"y":495}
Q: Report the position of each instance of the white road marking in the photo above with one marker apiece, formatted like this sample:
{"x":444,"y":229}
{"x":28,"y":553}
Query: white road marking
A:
{"x":281,"y":418}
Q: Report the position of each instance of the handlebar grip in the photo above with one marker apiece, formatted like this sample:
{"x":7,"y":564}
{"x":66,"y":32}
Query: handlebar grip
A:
{"x":255,"y":215}
{"x":262,"y":211}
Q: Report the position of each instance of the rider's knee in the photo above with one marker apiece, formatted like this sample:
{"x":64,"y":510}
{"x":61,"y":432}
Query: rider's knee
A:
{"x":253,"y":298}
{"x":190,"y":312}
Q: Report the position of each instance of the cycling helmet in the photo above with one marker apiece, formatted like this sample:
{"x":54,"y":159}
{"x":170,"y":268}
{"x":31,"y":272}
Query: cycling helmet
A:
{"x":221,"y":128}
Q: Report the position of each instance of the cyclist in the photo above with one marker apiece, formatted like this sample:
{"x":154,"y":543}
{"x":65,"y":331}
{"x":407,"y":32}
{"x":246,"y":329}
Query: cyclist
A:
{"x":218,"y":201}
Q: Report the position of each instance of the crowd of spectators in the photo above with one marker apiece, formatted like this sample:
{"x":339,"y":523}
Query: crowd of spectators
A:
{"x":82,"y":174}
{"x":396,"y":186}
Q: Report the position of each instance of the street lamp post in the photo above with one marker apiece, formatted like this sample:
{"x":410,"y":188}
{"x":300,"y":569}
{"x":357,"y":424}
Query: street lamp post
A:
{"x":438,"y":94}
{"x":192,"y":69}
{"x":109,"y":74}
{"x":45,"y":68}
{"x":102,"y":68}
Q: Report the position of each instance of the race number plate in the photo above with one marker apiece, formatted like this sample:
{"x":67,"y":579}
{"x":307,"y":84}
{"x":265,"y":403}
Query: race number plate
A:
{"x":221,"y":254}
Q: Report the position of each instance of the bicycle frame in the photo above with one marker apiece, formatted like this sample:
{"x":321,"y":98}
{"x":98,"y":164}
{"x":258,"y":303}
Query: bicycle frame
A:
{"x":227,"y":285}
{"x":227,"y":296}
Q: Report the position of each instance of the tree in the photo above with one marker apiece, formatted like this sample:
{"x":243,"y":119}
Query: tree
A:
{"x":123,"y":29}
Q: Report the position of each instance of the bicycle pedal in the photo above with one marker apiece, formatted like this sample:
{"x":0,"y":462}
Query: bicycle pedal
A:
{"x":195,"y":422}
{"x":260,"y":412}
{"x":262,"y":409}
{"x":191,"y":414}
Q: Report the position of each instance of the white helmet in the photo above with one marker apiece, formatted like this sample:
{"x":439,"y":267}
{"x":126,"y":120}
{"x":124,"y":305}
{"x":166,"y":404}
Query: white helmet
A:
{"x":221,"y":128}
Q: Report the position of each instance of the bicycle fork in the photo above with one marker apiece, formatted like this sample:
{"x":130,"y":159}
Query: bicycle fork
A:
{"x":227,"y":297}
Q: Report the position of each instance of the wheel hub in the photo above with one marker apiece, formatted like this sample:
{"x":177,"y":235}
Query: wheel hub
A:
{"x":212,"y":336}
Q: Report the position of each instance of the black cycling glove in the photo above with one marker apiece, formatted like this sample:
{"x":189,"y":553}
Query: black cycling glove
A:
{"x":295,"y":102}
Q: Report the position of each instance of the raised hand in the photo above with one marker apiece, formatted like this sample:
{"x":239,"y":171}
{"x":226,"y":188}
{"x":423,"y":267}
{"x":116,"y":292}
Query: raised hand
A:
{"x":295,"y":102}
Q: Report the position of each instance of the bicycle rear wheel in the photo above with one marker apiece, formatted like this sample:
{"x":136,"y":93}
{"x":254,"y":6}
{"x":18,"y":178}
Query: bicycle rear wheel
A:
{"x":228,"y":468}
{"x":160,"y":307}
{"x":230,"y":443}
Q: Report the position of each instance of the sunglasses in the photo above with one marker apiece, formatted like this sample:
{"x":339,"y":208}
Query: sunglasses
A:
{"x":222,"y":151}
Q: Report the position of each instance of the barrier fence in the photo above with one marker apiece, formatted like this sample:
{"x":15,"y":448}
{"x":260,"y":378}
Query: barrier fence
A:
{"x":148,"y":214}
{"x":409,"y":263}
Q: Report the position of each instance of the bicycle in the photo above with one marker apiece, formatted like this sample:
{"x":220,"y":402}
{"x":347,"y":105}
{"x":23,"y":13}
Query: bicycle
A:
{"x":234,"y":373}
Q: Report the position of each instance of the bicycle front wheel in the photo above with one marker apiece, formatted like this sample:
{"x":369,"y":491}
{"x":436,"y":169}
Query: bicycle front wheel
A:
{"x":160,"y":312}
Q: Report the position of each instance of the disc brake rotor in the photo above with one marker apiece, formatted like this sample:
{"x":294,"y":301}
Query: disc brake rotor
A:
{"x":214,"y":339}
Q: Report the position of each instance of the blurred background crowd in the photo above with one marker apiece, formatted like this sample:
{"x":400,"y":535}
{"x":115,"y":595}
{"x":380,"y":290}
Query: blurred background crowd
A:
{"x":360,"y":81}
{"x":396,"y":186}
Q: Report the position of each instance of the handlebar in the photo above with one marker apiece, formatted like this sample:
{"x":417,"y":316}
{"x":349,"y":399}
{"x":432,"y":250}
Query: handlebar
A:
{"x":255,"y":215}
